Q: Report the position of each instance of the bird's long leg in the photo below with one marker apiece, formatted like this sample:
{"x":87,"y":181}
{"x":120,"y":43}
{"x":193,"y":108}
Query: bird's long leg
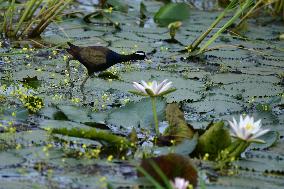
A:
{"x":69,"y":75}
{"x":69,"y":71}
{"x":83,"y":83}
{"x":68,"y":65}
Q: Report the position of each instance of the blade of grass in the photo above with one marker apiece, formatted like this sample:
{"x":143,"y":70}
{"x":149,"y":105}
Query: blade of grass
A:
{"x":4,"y":25}
{"x":161,"y":174}
{"x":48,"y":18}
{"x":11,"y":14}
{"x":56,"y":12}
{"x":44,"y":7}
{"x":226,"y":25}
{"x":259,"y":4}
{"x":196,"y":42}
{"x":150,"y":178}
{"x":281,"y":7}
{"x":29,"y":6}
{"x":44,"y":10}
{"x":29,"y":17}
{"x":34,"y":8}
{"x":7,"y":24}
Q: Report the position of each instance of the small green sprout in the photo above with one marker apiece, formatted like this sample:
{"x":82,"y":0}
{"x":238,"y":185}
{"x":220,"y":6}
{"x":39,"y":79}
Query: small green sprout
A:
{"x":173,"y":27}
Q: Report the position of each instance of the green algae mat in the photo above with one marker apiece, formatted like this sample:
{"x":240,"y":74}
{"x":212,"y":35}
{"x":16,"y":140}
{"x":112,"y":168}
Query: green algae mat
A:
{"x":244,"y":74}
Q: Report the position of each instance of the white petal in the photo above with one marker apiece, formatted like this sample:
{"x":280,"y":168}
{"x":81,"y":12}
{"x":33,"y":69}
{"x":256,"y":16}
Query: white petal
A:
{"x":241,"y":123}
{"x":260,"y":133}
{"x":161,"y":85}
{"x":139,"y":87}
{"x":234,"y":126}
{"x":166,"y":87}
{"x":257,"y":126}
{"x":258,"y":123}
{"x":235,"y":122}
{"x":243,"y":133}
{"x":135,"y":85}
{"x":180,"y":183}
{"x":154,"y":86}
{"x":246,"y":121}
{"x":145,"y":84}
{"x":250,"y":133}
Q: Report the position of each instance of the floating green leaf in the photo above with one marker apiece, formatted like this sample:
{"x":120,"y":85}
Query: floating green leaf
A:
{"x":172,"y":12}
{"x":118,"y":5}
{"x":215,"y":139}
{"x":75,"y":113}
{"x":270,"y":139}
{"x":136,"y":115}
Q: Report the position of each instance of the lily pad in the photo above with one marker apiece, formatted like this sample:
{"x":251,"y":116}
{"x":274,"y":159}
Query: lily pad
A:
{"x":118,"y":5}
{"x":172,"y":12}
{"x":75,"y":113}
{"x":270,"y":138}
{"x":136,"y":115}
{"x":53,"y":124}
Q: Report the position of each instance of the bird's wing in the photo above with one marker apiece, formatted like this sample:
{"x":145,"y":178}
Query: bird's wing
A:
{"x":93,"y":55}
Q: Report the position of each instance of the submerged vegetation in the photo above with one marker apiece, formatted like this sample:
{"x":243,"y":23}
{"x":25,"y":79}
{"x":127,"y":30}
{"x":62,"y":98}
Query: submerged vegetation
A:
{"x":177,"y":134}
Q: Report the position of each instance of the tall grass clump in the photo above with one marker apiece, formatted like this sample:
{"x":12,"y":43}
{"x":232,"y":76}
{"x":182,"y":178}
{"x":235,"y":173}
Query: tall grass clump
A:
{"x":29,"y":19}
{"x":242,"y":10}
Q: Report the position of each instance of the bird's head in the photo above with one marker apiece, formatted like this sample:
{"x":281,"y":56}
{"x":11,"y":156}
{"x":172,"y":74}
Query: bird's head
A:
{"x":139,"y":55}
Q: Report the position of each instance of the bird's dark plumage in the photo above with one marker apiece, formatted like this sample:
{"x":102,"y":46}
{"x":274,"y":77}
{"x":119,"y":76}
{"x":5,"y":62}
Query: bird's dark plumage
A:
{"x":97,"y":58}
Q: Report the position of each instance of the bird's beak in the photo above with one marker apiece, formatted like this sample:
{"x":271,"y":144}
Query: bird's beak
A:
{"x":147,"y":57}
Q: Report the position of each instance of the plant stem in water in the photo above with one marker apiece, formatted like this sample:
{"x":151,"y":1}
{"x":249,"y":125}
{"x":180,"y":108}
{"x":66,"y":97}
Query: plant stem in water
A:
{"x":153,"y":99}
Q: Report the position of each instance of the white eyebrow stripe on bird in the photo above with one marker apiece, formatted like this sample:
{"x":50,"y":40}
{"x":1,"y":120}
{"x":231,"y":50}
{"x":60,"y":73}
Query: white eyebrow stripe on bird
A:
{"x":140,"y":53}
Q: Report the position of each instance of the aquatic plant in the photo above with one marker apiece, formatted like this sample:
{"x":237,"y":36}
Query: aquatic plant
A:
{"x":204,"y":96}
{"x":247,"y":129}
{"x":153,"y":90}
{"x":246,"y":132}
{"x":244,"y":11}
{"x":173,"y":27}
{"x":25,"y":95}
{"x":34,"y":16}
{"x":275,"y":7}
{"x":180,"y":183}
{"x":232,"y":6}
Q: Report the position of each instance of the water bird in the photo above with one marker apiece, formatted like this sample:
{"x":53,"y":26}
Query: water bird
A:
{"x":98,"y":58}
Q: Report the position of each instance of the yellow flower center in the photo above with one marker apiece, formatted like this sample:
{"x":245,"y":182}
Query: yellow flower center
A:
{"x":249,"y":126}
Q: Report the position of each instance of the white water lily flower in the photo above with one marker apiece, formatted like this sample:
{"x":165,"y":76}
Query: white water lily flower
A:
{"x":179,"y":183}
{"x":153,"y":88}
{"x":247,"y":129}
